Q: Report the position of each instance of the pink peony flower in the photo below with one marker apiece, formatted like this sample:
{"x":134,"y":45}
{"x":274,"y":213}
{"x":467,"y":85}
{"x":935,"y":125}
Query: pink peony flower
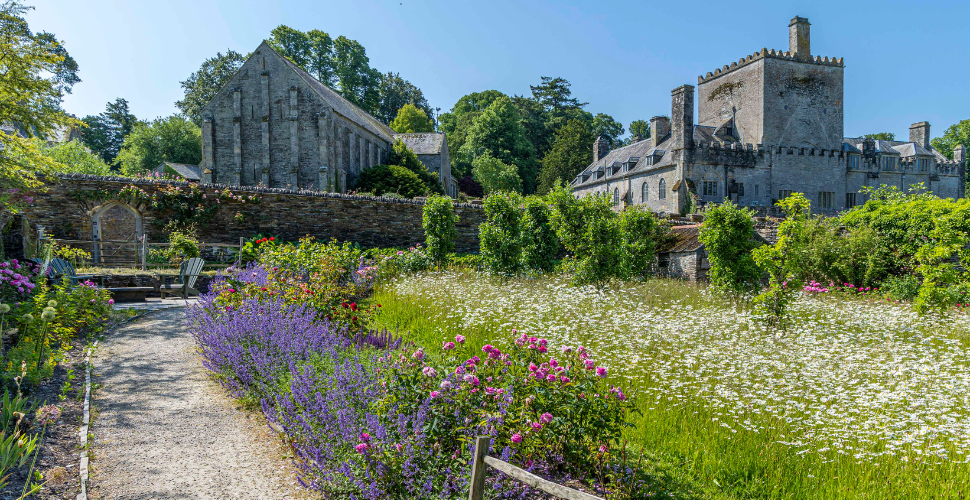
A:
{"x":445,"y":385}
{"x":600,"y":371}
{"x":533,"y":367}
{"x":111,"y":302}
{"x":536,"y":426}
{"x":545,"y":418}
{"x":460,"y":339}
{"x":428,"y":371}
{"x":435,"y":394}
{"x":471,"y":379}
{"x":361,"y":448}
{"x":365,"y":437}
{"x":418,"y":355}
{"x":516,"y":438}
{"x":603,"y":448}
{"x":566,"y":349}
{"x":589,"y":364}
{"x":448,"y":346}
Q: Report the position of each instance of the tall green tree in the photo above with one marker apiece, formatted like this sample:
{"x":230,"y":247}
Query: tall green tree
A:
{"x":74,"y":157}
{"x":881,"y":136}
{"x":293,"y":44}
{"x":727,"y":235}
{"x":358,"y":82}
{"x":106,"y":132}
{"x":569,"y":155}
{"x":202,"y":85}
{"x":411,"y":119}
{"x":35,"y":73}
{"x":497,"y":131}
{"x":956,"y":134}
{"x":397,"y":92}
{"x":402,"y":155}
{"x":640,"y":128}
{"x":604,"y":125}
{"x":457,"y":122}
{"x":175,"y":139}
{"x":555,"y":95}
{"x":496,"y":176}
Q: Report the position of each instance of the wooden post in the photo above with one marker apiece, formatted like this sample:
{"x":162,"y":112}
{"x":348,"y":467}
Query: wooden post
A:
{"x":476,"y":489}
{"x":144,"y":252}
{"x":242,"y":241}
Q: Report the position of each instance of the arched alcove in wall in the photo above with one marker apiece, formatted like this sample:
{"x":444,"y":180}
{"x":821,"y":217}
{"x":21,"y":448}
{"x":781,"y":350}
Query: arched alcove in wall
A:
{"x":117,"y":229}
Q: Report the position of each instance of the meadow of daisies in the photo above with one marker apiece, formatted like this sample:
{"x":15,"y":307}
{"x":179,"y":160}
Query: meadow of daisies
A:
{"x":856,"y":398}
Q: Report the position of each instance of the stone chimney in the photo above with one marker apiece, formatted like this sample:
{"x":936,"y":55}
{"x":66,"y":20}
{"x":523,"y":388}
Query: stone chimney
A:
{"x":960,"y":154}
{"x":600,"y":148}
{"x":920,"y":134}
{"x":682,"y":117}
{"x":659,"y":128}
{"x":799,"y":39}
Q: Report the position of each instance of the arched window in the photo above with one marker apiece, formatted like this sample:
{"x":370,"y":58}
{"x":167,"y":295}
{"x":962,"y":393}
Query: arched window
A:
{"x":643,"y":192}
{"x":662,"y":190}
{"x":616,"y":196}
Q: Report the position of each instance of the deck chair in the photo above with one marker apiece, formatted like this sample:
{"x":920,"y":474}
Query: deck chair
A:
{"x":189,"y":271}
{"x":61,"y":269}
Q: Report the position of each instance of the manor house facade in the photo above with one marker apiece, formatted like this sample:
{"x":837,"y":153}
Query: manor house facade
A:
{"x":770,"y":124}
{"x":275,"y":125}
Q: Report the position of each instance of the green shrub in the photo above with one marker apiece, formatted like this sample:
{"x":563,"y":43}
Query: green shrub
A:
{"x":905,"y":287}
{"x":726,"y":234}
{"x":386,"y":179}
{"x":439,"y":219}
{"x":402,"y":156}
{"x":641,"y":232}
{"x":590,"y":230}
{"x":500,"y":235}
{"x":782,"y":263}
{"x":496,"y":176}
{"x":539,"y":242}
{"x":181,"y":246}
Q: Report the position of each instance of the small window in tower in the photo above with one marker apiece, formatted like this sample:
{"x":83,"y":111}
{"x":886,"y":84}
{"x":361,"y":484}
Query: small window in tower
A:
{"x":755,"y":190}
{"x":740,"y":189}
{"x":643,"y":192}
{"x":616,"y":196}
{"x":853,"y":161}
{"x":710,"y":188}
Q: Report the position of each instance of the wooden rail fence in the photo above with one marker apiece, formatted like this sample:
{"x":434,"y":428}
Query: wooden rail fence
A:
{"x":482,"y":462}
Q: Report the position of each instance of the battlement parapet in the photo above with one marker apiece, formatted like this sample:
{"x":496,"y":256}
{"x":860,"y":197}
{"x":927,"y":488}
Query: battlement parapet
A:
{"x":768,"y":54}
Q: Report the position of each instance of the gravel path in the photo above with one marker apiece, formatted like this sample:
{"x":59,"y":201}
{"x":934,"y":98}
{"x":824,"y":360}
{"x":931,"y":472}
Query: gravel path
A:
{"x":163,"y":429}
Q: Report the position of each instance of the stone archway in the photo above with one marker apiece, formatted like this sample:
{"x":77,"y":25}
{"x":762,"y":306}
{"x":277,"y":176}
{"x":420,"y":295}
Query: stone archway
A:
{"x":117,"y":229}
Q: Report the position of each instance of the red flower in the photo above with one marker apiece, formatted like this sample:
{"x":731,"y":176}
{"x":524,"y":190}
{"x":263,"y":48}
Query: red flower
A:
{"x":272,"y":238}
{"x":353,"y":306}
{"x":345,"y":305}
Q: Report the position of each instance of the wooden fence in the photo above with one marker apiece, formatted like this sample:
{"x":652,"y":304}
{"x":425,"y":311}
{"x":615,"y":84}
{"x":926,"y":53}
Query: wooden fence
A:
{"x":482,"y":462}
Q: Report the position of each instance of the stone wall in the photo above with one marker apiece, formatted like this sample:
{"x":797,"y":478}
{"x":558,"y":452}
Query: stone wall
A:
{"x":65,"y":212}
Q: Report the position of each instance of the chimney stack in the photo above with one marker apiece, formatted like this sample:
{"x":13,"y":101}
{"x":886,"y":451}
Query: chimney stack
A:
{"x":600,"y":148}
{"x":682,"y":117}
{"x":960,"y":154}
{"x":799,"y":39}
{"x":920,"y":134}
{"x":659,"y":128}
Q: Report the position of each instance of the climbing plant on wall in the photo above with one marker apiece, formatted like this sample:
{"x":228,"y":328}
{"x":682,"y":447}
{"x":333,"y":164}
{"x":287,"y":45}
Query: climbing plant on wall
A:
{"x":183,"y":206}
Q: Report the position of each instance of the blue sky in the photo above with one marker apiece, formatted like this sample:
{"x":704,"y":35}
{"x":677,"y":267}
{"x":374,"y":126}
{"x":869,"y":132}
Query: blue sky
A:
{"x":905,"y":61}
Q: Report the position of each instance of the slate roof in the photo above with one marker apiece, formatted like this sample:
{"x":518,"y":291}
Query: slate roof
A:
{"x":340,"y":105}
{"x":911,"y":149}
{"x":188,"y":172}
{"x":682,"y":239}
{"x":423,"y":143}
{"x":904,"y":149}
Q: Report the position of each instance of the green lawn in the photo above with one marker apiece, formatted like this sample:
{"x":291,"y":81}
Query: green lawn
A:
{"x":858,"y":399}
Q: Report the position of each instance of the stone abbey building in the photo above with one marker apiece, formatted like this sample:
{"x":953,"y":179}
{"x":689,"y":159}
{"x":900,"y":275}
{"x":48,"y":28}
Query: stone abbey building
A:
{"x":275,"y":125}
{"x":769,"y":125}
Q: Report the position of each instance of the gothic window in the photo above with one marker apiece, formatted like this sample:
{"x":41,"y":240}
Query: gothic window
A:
{"x":740,"y":189}
{"x":825,"y":199}
{"x":710,"y":188}
{"x":662,"y":190}
{"x":784,"y":193}
{"x":643,"y":192}
{"x":616,"y":196}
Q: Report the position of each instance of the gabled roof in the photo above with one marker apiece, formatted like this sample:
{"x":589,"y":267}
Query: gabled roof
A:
{"x":682,"y":239}
{"x":338,"y":103}
{"x":188,"y":172}
{"x":911,"y":149}
{"x":423,"y":143}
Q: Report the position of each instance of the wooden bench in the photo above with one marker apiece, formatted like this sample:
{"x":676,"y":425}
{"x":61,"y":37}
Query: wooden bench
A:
{"x":130,"y":293}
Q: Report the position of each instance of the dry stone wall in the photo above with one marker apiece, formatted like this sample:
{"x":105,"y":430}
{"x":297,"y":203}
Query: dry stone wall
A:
{"x":65,"y":212}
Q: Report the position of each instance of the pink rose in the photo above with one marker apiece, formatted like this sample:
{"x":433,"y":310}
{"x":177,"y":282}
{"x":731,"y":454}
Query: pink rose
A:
{"x":516,"y":438}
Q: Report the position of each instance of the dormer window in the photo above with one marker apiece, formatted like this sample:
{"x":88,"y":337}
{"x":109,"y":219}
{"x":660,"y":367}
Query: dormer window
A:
{"x":923,"y":164}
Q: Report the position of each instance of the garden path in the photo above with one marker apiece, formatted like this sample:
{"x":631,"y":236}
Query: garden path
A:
{"x":164,"y":429}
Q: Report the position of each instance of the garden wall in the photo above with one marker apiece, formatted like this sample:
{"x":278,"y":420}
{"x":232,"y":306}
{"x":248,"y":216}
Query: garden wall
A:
{"x":67,"y":207}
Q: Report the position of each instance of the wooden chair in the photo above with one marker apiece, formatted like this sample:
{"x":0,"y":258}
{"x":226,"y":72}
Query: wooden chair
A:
{"x":189,"y":271}
{"x":61,"y":268}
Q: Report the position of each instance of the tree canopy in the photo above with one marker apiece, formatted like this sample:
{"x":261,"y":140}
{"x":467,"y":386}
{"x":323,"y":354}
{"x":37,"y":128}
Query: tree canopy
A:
{"x":604,"y":125}
{"x":569,"y":155}
{"x":397,"y":92}
{"x":956,"y":134}
{"x":639,"y":128}
{"x":35,"y":72}
{"x":881,"y":136}
{"x":175,"y":139}
{"x":497,"y":132}
{"x":73,"y":156}
{"x":201,"y":86}
{"x":106,"y":132}
{"x":496,"y":176}
{"x":411,"y":119}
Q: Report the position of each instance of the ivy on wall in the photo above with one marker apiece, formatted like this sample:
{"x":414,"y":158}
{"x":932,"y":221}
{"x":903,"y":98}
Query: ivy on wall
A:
{"x":181,"y":206}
